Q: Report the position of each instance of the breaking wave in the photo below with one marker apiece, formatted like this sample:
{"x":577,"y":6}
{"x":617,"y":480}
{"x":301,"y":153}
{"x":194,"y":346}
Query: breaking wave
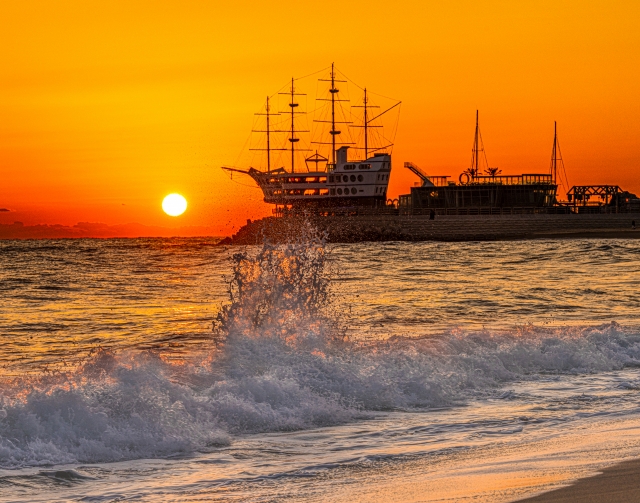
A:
{"x":280,"y":362}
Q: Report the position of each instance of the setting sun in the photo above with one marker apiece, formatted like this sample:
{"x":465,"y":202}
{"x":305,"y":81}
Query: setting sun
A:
{"x":174,"y":205}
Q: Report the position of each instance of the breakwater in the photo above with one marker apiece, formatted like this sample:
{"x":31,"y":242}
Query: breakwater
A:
{"x":442,"y":228}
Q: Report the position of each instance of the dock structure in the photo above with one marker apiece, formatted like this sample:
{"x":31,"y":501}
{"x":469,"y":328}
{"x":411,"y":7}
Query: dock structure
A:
{"x":492,"y":193}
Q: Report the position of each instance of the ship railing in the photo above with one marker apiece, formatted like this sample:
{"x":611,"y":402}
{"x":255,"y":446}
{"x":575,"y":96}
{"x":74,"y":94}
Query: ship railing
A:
{"x":439,"y":181}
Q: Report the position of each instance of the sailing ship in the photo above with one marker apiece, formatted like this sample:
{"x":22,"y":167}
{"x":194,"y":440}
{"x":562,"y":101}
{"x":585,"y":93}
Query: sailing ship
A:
{"x":325,"y":184}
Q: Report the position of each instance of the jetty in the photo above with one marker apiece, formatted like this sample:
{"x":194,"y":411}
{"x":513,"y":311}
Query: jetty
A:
{"x":442,"y":228}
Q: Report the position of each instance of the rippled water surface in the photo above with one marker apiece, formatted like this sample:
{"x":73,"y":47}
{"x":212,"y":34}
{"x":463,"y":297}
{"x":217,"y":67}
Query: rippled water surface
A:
{"x":419,"y":371}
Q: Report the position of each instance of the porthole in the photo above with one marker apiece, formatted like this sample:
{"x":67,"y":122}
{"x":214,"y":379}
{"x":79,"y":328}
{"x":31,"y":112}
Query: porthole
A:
{"x":353,"y":190}
{"x":353,"y":178}
{"x":339,"y":192}
{"x":360,"y":178}
{"x":345,"y":178}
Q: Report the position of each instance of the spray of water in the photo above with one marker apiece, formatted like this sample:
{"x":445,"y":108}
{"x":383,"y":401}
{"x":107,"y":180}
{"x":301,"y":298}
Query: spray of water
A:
{"x":282,"y":293}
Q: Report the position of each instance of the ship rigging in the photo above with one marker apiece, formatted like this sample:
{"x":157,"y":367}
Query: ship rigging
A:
{"x":331,"y":181}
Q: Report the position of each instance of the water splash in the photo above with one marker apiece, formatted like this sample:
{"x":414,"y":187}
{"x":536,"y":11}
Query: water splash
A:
{"x":282,"y":292}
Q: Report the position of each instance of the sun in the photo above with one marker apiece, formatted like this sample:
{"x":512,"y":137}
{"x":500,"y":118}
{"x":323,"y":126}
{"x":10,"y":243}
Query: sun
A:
{"x":174,"y":205}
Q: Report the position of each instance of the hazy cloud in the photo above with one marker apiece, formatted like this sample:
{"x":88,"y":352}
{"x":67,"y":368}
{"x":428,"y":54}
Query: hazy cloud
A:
{"x":18,"y":230}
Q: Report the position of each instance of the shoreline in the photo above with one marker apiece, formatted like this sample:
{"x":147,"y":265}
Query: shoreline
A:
{"x":619,"y":483}
{"x":593,"y":234}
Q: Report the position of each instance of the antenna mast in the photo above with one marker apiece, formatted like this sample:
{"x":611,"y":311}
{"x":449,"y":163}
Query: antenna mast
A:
{"x":474,"y":170}
{"x":556,"y":158}
{"x":554,"y":153}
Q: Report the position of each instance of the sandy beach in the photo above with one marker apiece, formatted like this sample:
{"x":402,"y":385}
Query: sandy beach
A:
{"x":617,"y":484}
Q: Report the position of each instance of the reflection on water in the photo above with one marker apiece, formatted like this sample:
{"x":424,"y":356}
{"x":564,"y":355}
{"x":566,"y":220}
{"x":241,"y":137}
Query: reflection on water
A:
{"x":63,"y":298}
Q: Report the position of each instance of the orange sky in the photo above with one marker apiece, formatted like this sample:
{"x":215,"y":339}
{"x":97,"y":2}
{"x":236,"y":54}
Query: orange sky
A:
{"x":106,"y":107}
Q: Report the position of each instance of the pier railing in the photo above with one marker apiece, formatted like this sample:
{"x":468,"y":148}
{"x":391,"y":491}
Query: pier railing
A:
{"x":532,"y":179}
{"x":545,"y":210}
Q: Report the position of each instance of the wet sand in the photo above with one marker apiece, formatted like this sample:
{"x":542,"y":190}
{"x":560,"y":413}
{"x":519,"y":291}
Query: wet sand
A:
{"x":616,"y":484}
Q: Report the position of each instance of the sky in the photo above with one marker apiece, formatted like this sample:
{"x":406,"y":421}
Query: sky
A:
{"x":108,"y":106}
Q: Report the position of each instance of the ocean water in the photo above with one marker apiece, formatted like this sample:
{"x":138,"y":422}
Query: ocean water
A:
{"x":176,"y":370}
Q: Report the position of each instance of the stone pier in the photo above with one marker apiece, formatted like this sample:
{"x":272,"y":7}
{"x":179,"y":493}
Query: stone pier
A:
{"x":442,"y":228}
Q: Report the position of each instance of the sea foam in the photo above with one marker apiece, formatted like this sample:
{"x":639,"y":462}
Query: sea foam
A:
{"x":281,"y":362}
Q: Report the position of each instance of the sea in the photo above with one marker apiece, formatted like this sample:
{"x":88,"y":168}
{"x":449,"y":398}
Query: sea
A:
{"x":176,"y":370}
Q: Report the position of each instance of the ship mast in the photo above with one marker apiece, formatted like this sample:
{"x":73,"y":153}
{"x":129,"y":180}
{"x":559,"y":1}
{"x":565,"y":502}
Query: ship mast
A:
{"x":366,"y":127}
{"x":293,"y":138}
{"x":268,"y":139}
{"x":268,"y":131}
{"x":333,"y":90}
{"x":333,"y":131}
{"x":292,"y":131}
{"x":366,"y":120}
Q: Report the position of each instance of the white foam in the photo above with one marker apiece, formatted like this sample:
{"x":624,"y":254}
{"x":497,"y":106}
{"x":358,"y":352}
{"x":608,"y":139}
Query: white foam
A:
{"x":283,"y":365}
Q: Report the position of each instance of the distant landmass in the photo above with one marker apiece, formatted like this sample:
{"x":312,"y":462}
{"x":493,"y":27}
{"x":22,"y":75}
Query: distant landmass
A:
{"x":18,"y":230}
